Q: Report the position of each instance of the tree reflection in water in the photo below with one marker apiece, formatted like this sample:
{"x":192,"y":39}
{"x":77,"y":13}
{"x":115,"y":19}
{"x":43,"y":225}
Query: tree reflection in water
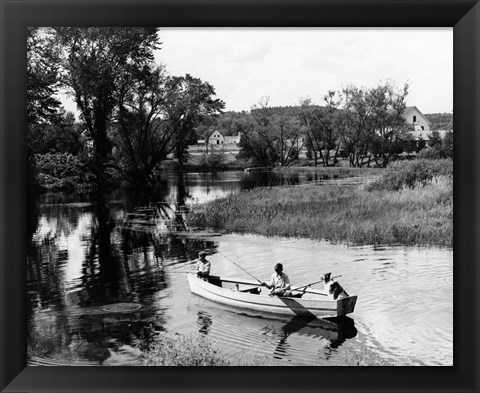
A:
{"x":123,"y":251}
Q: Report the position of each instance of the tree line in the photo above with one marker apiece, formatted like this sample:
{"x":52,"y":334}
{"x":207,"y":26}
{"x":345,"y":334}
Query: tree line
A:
{"x":440,"y":121}
{"x":133,"y":113}
{"x":365,"y":126}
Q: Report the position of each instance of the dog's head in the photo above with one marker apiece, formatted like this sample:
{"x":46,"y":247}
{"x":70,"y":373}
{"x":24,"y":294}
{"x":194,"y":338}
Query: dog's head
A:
{"x":326,"y":277}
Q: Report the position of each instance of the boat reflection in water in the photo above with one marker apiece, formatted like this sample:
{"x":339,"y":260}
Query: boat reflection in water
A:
{"x":299,"y":340}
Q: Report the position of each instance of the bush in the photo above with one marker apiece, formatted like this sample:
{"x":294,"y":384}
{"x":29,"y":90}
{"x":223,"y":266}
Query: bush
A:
{"x":62,"y":171}
{"x":212,"y":161}
{"x":179,"y":350}
{"x":430,"y":153}
{"x":365,"y":357}
{"x":409,"y":174}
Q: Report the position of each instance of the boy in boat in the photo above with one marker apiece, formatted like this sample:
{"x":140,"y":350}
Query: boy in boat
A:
{"x":279,"y":283}
{"x":203,"y":266}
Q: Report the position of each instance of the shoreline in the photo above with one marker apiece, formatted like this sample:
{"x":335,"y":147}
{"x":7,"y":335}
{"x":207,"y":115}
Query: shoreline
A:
{"x":421,"y":216}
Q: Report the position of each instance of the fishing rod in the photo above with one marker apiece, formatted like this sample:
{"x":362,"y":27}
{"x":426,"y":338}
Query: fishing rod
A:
{"x":316,"y":282}
{"x":237,"y":265}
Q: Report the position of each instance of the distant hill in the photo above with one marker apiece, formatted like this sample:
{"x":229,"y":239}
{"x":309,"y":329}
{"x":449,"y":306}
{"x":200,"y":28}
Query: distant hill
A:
{"x":440,"y":121}
{"x":284,"y":110}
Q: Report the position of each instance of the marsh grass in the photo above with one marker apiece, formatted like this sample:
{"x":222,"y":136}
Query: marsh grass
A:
{"x":195,"y":350}
{"x":365,"y":357}
{"x":181,"y":350}
{"x":411,"y":174}
{"x":422,"y":215}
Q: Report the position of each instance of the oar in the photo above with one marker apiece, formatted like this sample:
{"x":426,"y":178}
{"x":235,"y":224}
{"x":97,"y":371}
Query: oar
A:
{"x":312,"y":283}
{"x":237,"y":265}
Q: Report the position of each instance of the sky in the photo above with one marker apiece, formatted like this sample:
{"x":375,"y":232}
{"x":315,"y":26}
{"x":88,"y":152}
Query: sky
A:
{"x":245,"y":65}
{"x":289,"y":64}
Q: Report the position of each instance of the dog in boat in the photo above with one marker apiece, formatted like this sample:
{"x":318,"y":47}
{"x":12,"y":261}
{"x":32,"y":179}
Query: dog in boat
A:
{"x":334,"y":289}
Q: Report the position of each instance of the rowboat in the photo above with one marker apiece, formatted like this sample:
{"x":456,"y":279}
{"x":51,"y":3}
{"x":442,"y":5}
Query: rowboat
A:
{"x":248,"y":295}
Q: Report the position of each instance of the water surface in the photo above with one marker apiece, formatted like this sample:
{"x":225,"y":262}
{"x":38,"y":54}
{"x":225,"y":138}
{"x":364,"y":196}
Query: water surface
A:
{"x":99,"y":282}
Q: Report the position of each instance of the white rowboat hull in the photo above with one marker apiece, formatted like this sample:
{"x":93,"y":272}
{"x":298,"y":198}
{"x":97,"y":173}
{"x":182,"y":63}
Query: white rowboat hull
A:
{"x":316,"y":305}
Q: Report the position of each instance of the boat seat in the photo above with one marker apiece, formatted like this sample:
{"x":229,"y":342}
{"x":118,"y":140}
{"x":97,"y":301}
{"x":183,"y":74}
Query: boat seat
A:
{"x":214,"y":280}
{"x":250,"y":289}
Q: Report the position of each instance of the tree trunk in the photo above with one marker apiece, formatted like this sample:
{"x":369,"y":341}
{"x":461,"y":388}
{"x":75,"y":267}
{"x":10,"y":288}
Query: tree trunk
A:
{"x":336,"y":155}
{"x":180,"y":155}
{"x":321,"y":157}
{"x":386,"y":160}
{"x":100,"y":150}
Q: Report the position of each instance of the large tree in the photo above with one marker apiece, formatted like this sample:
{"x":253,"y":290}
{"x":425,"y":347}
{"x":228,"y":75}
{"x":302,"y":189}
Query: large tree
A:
{"x":157,"y":116}
{"x":42,"y":86}
{"x":387,"y":122}
{"x":94,"y":62}
{"x":279,"y":135}
{"x":371,"y":125}
{"x":321,"y":125}
{"x":190,"y":101}
{"x":42,"y":77}
{"x":143,"y":138}
{"x":355,"y":130}
{"x":255,"y":150}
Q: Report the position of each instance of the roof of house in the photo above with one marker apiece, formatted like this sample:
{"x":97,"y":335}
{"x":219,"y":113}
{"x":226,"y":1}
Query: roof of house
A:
{"x":410,"y":109}
{"x":216,"y":131}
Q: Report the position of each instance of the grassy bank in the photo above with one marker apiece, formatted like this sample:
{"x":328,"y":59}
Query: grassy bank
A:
{"x":419,"y":212}
{"x":175,"y":350}
{"x":179,"y":350}
{"x":199,"y":350}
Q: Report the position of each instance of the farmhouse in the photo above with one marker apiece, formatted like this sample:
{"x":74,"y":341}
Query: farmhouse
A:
{"x":217,"y":138}
{"x":421,"y":125}
{"x":416,"y":118}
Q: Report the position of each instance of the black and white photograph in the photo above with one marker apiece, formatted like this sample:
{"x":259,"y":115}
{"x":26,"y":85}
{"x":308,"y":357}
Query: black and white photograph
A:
{"x":240,"y":196}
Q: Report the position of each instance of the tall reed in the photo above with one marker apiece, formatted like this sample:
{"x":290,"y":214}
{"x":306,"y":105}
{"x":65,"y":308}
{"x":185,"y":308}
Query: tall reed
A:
{"x":422,"y":215}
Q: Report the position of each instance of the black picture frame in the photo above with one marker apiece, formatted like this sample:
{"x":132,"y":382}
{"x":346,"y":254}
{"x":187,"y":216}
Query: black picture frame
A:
{"x":463,"y":16}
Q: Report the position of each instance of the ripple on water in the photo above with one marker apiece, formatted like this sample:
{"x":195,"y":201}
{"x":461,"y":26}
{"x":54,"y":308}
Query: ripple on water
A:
{"x":295,"y":340}
{"x":404,"y":311}
{"x":405,"y":304}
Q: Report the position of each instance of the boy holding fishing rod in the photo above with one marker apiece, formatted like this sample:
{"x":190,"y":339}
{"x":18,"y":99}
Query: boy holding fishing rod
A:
{"x":279,"y":283}
{"x":203,"y":266}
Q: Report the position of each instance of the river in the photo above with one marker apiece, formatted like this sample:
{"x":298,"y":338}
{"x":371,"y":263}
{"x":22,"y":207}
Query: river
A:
{"x":99,"y":283}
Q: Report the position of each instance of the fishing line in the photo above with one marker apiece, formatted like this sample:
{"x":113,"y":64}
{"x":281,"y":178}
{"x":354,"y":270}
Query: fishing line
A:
{"x":251,"y":275}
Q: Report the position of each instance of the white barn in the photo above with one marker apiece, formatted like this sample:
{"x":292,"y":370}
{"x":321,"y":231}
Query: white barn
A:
{"x":416,"y":118}
{"x":421,"y":125}
{"x":217,"y":138}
